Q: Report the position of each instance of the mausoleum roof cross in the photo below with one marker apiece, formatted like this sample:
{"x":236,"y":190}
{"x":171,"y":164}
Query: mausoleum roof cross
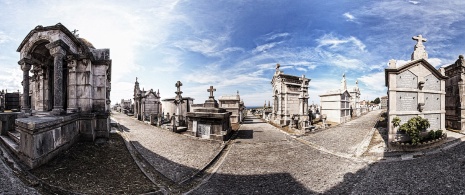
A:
{"x":419,"y":39}
{"x":211,"y":90}
{"x":178,"y":86}
{"x":74,"y":33}
{"x":304,"y":80}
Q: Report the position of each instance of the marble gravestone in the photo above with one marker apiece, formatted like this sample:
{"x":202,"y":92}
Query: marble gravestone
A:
{"x":415,"y":89}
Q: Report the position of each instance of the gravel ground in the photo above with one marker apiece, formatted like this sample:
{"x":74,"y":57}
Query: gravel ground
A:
{"x":91,"y":168}
{"x":175,"y":156}
{"x":347,"y":136}
{"x":10,"y":183}
{"x":440,"y":173}
{"x":268,"y":163}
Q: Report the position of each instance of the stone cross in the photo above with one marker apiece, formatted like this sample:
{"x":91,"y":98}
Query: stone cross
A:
{"x":74,"y":33}
{"x":178,"y":85}
{"x":211,"y":90}
{"x":419,"y":39}
{"x":304,"y":80}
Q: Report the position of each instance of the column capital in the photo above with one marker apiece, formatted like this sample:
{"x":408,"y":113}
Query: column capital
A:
{"x":58,"y":47}
{"x":25,"y":61}
{"x":25,"y":67}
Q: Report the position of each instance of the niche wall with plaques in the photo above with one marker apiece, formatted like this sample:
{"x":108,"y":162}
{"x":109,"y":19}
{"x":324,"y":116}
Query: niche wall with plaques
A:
{"x":415,"y":89}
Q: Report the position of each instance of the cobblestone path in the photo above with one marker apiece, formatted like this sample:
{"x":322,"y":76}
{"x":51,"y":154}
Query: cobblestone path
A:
{"x":265,"y":161}
{"x":174,"y":155}
{"x":345,"y":137}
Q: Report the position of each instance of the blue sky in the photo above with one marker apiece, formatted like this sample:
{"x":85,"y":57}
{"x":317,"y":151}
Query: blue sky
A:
{"x":235,"y":45}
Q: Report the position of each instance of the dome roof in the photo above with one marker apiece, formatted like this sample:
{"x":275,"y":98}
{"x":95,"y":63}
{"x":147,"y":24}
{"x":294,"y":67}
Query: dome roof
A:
{"x":87,"y":43}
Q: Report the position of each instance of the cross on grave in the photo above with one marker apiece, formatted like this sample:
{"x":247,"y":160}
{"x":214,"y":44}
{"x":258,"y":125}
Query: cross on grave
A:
{"x":211,"y":90}
{"x":178,"y":85}
{"x":419,"y":39}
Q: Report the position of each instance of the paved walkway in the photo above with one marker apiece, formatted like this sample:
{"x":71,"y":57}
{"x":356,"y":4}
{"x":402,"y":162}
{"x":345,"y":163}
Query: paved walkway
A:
{"x":346,"y":137}
{"x":264,"y":160}
{"x":174,"y":155}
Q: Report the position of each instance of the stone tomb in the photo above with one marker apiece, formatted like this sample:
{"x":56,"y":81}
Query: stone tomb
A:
{"x":210,"y":121}
{"x":146,"y":103}
{"x":233,"y":104}
{"x":455,"y":92}
{"x":415,"y":89}
{"x":336,"y":104}
{"x":290,"y":97}
{"x":67,"y":97}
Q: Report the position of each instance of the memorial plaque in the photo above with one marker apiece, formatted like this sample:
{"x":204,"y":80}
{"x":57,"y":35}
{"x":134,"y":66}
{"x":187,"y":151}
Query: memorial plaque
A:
{"x":432,"y":102}
{"x":434,"y":121}
{"x":405,"y":118}
{"x":203,"y":131}
{"x":407,"y":101}
{"x":407,"y":80}
{"x":432,"y":83}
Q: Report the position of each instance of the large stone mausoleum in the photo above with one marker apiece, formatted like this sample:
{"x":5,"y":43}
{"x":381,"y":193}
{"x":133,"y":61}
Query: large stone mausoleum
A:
{"x":338,"y":104}
{"x":146,"y":103}
{"x":290,"y":99}
{"x":66,"y":95}
{"x":415,"y":89}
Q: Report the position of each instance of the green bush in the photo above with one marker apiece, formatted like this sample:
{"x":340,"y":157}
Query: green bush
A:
{"x":438,"y":133}
{"x":412,"y":127}
{"x":432,"y":134}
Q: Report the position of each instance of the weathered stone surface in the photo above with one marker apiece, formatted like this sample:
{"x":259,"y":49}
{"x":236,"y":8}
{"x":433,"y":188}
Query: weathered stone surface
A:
{"x":416,"y":89}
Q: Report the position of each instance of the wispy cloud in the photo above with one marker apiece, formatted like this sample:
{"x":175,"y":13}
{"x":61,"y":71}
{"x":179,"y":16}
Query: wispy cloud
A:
{"x":349,"y":16}
{"x":372,"y":81}
{"x":265,"y":47}
{"x":414,"y":2}
{"x":4,"y":38}
{"x":335,"y":42}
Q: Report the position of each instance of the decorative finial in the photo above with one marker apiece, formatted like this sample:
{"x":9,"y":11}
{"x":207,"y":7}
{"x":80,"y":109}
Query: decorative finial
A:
{"x":74,"y":33}
{"x":277,"y":66}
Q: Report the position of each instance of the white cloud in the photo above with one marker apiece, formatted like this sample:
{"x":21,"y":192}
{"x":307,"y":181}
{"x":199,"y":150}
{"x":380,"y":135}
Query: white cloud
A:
{"x":374,"y":82}
{"x":265,"y":47}
{"x":279,"y":35}
{"x":349,"y":16}
{"x":414,"y":2}
{"x":335,"y":42}
{"x":4,"y":38}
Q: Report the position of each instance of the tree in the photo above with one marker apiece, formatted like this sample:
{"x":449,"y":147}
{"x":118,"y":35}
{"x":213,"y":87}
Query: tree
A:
{"x":377,"y":101}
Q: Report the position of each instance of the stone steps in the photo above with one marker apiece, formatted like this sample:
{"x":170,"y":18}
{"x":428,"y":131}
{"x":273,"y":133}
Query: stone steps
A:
{"x":14,"y":135}
{"x":10,"y":143}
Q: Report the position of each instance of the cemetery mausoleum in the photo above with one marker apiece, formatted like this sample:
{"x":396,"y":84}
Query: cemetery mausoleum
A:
{"x":415,"y":89}
{"x":66,"y":95}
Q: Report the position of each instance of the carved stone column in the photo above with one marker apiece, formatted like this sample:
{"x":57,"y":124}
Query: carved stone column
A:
{"x":25,"y":66}
{"x":58,"y":54}
{"x":72,"y":81}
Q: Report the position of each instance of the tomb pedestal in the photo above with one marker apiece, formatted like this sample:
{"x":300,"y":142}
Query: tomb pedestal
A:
{"x":210,"y":122}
